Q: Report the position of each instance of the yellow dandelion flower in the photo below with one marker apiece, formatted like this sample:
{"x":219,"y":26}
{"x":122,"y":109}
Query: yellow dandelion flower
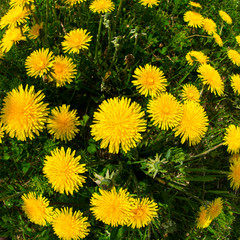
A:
{"x":234,"y":175}
{"x":165,"y":111}
{"x":63,"y":70}
{"x":218,"y":39}
{"x":215,"y":208}
{"x":225,"y":17}
{"x":112,"y":207}
{"x":1,"y":131}
{"x":234,"y":157}
{"x":21,"y":3}
{"x":235,"y":83}
{"x":195,"y":4}
{"x":68,"y":225}
{"x":211,"y":78}
{"x":118,"y":122}
{"x":234,"y":56}
{"x":62,"y":170}
{"x":39,"y":62}
{"x":35,"y":31}
{"x":37,"y":208}
{"x":143,"y":212}
{"x":76,"y":40}
{"x":24,"y":113}
{"x":238,"y":39}
{"x":232,"y":139}
{"x":203,"y":220}
{"x":196,"y":56}
{"x":150,"y":80}
{"x":102,"y":6}
{"x":14,"y":17}
{"x":149,"y":3}
{"x":193,"y":124}
{"x":194,"y":19}
{"x":73,"y":2}
{"x":190,"y":93}
{"x":209,"y":26}
{"x":62,"y":123}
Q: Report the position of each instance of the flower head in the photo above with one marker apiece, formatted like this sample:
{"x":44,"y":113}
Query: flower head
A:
{"x":73,"y":2}
{"x":234,"y":56}
{"x":211,"y":78}
{"x":225,"y":17}
{"x":62,"y":170}
{"x":165,"y":111}
{"x":68,"y":225}
{"x":112,"y":207}
{"x":149,"y":3}
{"x":209,"y":26}
{"x":203,"y":220}
{"x":118,"y":122}
{"x":235,"y":156}
{"x":235,"y":83}
{"x":190,"y":93}
{"x":21,"y":3}
{"x":35,"y":31}
{"x":24,"y":113}
{"x":63,"y":123}
{"x":143,"y":212}
{"x":76,"y":40}
{"x":102,"y":6}
{"x":234,"y":175}
{"x":232,"y":139}
{"x":218,"y":39}
{"x":39,"y":62}
{"x":238,"y":39}
{"x":215,"y":208}
{"x":195,"y":4}
{"x":196,"y":56}
{"x":193,"y":124}
{"x":149,"y":80}
{"x":36,"y":208}
{"x":194,"y":19}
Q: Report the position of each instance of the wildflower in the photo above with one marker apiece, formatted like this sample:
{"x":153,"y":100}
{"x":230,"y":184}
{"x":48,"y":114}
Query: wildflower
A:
{"x":195,"y":4}
{"x":73,"y":2}
{"x":112,"y":207}
{"x":235,"y":83}
{"x":118,"y":122}
{"x":35,"y":31}
{"x":62,"y":170}
{"x":238,"y":39}
{"x":196,"y":56}
{"x":218,"y":39}
{"x":39,"y":62}
{"x":143,"y":212}
{"x":193,"y":124}
{"x":235,"y":156}
{"x":37,"y":208}
{"x":69,"y":225}
{"x":225,"y":17}
{"x":76,"y":40}
{"x":211,"y":78}
{"x":1,"y":131}
{"x":149,"y":3}
{"x":194,"y":19}
{"x":63,"y":123}
{"x":234,"y":56}
{"x":232,"y":139}
{"x":24,"y":113}
{"x":209,"y":26}
{"x":215,"y":208}
{"x":203,"y":220}
{"x":102,"y":6}
{"x":149,"y":80}
{"x":234,"y":175}
{"x":165,"y":111}
{"x":21,"y":3}
{"x":191,"y":93}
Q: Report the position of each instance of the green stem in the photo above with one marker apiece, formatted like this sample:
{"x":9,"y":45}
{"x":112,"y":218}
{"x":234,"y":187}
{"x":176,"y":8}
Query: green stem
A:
{"x":206,"y":152}
{"x":98,"y":37}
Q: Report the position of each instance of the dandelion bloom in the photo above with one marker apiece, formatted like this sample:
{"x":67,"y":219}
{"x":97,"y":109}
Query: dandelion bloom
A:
{"x":203,"y":220}
{"x":232,"y":139}
{"x":1,"y":131}
{"x":37,"y":208}
{"x":63,"y":171}
{"x":234,"y":56}
{"x":211,"y":78}
{"x":194,"y":19}
{"x":234,"y":157}
{"x":118,"y":122}
{"x":22,"y":3}
{"x":35,"y":31}
{"x":234,"y":175}
{"x":76,"y":40}
{"x":62,"y":123}
{"x":39,"y":62}
{"x":235,"y":83}
{"x":195,"y":4}
{"x":112,"y":207}
{"x":73,"y":2}
{"x":149,"y":80}
{"x":193,"y":124}
{"x":215,"y":208}
{"x":238,"y":39}
{"x":63,"y":70}
{"x":209,"y":26}
{"x":165,"y":111}
{"x":143,"y":212}
{"x":218,"y":39}
{"x":191,"y":93}
{"x":196,"y":56}
{"x":149,"y":3}
{"x":102,"y":6}
{"x":69,"y":225}
{"x":24,"y":113}
{"x":225,"y":17}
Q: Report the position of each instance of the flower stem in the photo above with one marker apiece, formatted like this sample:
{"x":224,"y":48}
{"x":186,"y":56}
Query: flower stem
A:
{"x":98,"y":36}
